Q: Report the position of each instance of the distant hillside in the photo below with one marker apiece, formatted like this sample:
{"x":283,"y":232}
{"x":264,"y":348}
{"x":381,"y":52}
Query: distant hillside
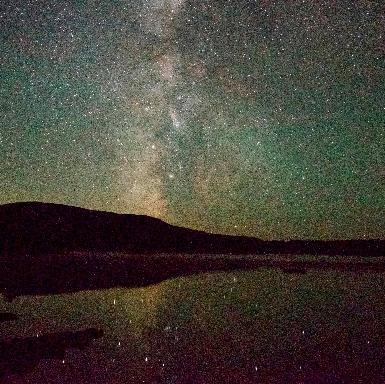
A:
{"x":41,"y":228}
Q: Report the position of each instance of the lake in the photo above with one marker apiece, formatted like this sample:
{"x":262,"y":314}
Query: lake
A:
{"x":226,"y":327}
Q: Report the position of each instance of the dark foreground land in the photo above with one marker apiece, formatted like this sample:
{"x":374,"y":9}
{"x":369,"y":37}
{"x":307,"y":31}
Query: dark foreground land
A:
{"x":48,"y":248}
{"x":41,"y":228}
{"x":22,"y":355}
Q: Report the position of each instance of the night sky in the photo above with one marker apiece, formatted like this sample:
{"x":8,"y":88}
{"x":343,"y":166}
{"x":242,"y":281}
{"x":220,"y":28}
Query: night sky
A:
{"x":262,"y":118}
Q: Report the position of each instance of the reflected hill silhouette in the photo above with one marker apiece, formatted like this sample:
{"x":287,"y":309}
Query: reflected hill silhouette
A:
{"x":65,"y":273}
{"x":22,"y":355}
{"x":48,"y":249}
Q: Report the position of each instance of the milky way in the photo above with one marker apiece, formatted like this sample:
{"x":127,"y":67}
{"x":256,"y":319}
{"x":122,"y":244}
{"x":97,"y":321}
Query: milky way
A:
{"x":261,"y":118}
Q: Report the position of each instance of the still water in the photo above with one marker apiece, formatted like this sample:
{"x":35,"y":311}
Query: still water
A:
{"x":233,"y":327}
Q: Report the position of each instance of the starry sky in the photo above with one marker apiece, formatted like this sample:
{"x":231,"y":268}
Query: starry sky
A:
{"x":261,"y":118}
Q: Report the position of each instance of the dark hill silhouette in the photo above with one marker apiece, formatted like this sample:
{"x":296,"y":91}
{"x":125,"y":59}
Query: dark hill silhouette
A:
{"x":36,"y":228}
{"x":41,"y":228}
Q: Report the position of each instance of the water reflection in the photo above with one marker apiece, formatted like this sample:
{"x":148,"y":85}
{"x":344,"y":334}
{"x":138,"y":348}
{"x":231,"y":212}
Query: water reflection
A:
{"x":235,"y":327}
